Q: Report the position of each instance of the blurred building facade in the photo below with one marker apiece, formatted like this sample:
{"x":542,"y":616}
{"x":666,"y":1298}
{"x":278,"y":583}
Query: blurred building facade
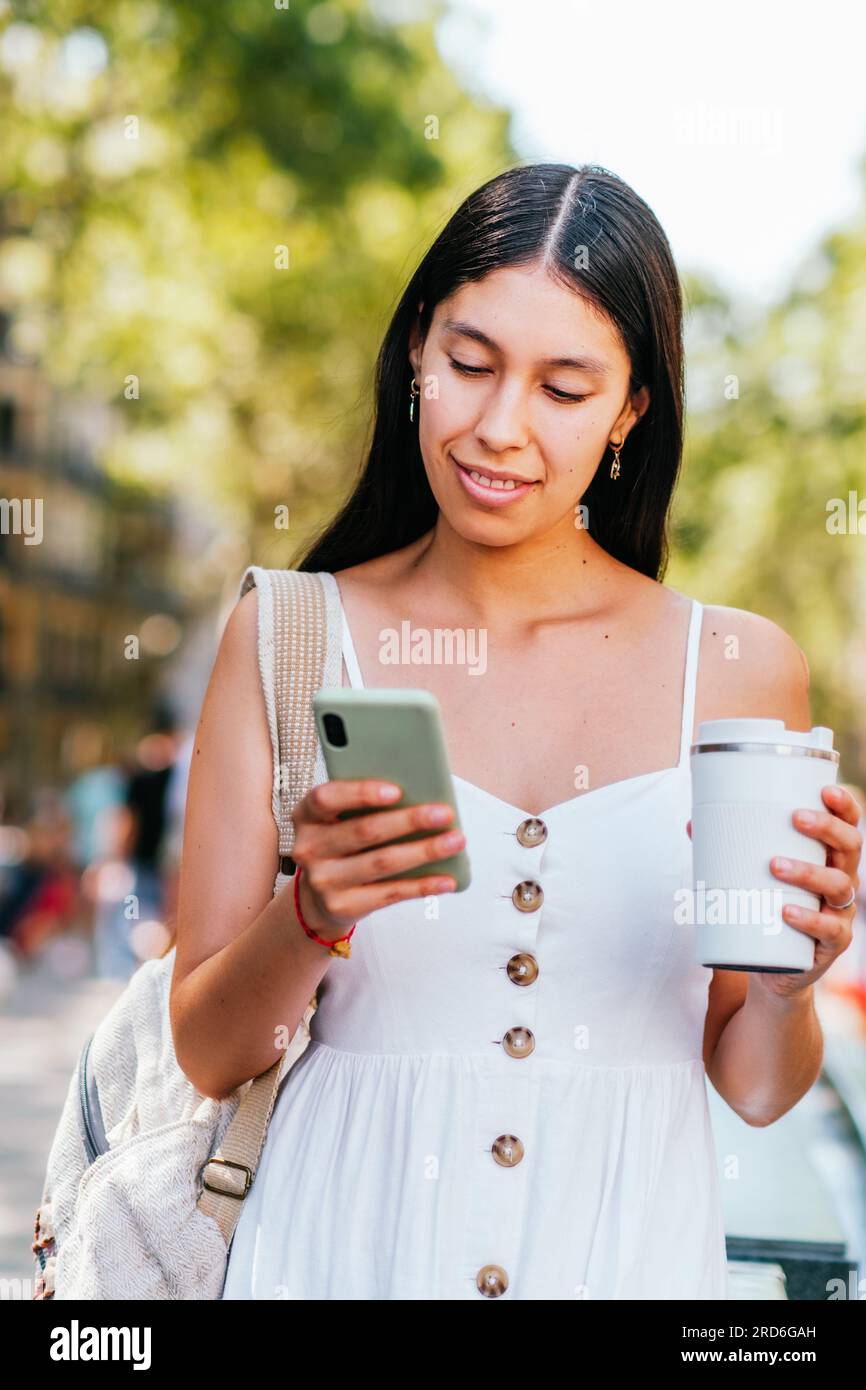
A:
{"x":86,"y":564}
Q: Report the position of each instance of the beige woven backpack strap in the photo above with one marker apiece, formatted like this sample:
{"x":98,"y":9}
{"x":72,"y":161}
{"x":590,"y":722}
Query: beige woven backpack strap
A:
{"x":293,"y":637}
{"x":301,"y":641}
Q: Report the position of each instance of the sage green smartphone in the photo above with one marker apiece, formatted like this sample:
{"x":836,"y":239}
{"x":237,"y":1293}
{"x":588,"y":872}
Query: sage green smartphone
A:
{"x":393,"y":736}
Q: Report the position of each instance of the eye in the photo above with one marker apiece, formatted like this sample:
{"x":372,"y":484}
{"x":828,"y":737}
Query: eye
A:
{"x":563,"y":395}
{"x":466,"y":370}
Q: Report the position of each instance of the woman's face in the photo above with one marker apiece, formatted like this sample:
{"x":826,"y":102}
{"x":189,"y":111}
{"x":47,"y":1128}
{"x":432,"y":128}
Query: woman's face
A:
{"x":494,"y":399}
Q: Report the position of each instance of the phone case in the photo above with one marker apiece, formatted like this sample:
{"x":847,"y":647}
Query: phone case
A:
{"x":394,"y":736}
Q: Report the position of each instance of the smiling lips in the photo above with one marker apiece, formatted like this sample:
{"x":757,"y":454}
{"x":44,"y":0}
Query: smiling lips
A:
{"x":492,"y":491}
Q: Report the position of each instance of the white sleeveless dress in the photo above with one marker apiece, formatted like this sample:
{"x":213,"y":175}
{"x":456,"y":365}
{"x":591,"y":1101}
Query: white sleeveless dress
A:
{"x":505,"y":1097}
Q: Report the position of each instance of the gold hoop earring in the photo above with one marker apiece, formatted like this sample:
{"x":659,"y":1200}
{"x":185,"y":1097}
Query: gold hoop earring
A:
{"x":614,"y":467}
{"x":414,"y":391}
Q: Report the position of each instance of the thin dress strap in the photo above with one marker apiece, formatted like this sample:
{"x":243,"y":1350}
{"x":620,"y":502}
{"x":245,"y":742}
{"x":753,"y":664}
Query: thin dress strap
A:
{"x":349,"y":656}
{"x":690,"y":681}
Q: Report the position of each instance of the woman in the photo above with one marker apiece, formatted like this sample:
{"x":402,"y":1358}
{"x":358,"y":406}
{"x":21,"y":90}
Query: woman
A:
{"x":504,"y":1094}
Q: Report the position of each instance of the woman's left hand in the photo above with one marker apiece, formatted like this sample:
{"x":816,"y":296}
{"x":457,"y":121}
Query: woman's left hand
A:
{"x":831,"y":927}
{"x":834,"y":882}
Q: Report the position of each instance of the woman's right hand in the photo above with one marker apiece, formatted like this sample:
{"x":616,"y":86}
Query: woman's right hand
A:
{"x":342,"y":859}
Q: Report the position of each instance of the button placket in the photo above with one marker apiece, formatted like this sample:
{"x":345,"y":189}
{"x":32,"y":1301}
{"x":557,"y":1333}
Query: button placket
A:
{"x":504,"y":1128}
{"x":498,"y":1217}
{"x":522,"y":968}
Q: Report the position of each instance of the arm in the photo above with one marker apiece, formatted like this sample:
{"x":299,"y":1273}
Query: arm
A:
{"x":769,"y":1054}
{"x":244,"y":968}
{"x":762,"y":1050}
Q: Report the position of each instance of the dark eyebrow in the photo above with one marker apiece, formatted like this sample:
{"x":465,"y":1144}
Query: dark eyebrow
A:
{"x":583,"y":364}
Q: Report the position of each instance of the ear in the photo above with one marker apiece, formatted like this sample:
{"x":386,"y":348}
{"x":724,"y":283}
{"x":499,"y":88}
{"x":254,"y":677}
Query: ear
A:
{"x":640,"y":402}
{"x":416,"y":345}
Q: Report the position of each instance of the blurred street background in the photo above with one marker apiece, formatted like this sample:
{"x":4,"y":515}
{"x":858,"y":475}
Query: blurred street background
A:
{"x":207,"y":212}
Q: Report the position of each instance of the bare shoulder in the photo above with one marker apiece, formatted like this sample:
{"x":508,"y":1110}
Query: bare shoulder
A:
{"x":750,"y":666}
{"x":383,"y":571}
{"x":370,"y":574}
{"x":242,"y":619}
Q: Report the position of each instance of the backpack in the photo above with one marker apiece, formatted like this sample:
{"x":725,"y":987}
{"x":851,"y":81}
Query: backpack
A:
{"x":146,"y":1176}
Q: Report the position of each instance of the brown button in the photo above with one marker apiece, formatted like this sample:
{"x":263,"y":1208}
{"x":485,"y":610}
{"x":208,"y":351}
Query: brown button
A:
{"x":522,"y":968}
{"x":527,"y":896}
{"x":491,"y":1280}
{"x":519,"y":1042}
{"x":532,"y":832}
{"x":507,"y":1150}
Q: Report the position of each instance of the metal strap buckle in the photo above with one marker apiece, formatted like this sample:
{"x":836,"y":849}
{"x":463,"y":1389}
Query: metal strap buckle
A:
{"x":228,"y":1163}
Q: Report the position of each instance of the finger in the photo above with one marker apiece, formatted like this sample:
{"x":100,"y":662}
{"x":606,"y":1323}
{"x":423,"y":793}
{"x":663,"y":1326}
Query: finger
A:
{"x":335,"y":839}
{"x":351,"y":904}
{"x":828,"y":827}
{"x":323,"y":803}
{"x":689,"y":828}
{"x":842,"y":803}
{"x":826,"y":882}
{"x":385,"y":860}
{"x":832,"y":932}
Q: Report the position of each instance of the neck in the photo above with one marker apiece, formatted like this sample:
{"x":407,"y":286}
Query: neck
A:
{"x":559,"y":571}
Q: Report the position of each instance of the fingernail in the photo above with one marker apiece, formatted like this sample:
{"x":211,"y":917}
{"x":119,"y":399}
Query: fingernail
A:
{"x":387,"y":791}
{"x":783,"y":865}
{"x":452,"y":840}
{"x":806,"y":817}
{"x":440,"y":814}
{"x":793,"y":911}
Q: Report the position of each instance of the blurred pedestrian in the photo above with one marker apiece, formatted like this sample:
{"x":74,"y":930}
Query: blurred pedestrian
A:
{"x":97,"y":788}
{"x":40,"y":897}
{"x":130,"y":890}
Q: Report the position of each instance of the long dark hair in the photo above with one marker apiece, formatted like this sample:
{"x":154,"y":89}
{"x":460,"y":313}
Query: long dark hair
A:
{"x":547,"y":213}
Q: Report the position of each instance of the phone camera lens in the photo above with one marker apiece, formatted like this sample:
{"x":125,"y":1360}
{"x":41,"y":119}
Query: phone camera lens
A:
{"x":335,"y":730}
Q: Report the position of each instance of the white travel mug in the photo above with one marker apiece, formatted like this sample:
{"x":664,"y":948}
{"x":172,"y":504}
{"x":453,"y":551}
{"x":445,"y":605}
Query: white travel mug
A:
{"x":748,"y":778}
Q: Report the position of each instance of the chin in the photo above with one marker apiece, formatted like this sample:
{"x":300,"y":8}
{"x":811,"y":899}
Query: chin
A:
{"x":477,"y":529}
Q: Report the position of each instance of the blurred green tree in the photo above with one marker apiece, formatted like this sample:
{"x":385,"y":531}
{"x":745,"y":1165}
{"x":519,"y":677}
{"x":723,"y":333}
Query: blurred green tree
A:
{"x":776,"y":448}
{"x":209,"y":212}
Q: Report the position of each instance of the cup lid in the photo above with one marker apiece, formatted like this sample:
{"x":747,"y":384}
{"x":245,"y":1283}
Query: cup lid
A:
{"x":762,"y":731}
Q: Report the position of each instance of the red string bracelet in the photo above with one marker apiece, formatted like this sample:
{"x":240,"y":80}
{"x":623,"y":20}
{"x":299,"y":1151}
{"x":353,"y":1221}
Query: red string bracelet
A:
{"x":341,"y":946}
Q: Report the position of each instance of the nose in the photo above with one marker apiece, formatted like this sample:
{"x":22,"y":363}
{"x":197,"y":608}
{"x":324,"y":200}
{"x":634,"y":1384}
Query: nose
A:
{"x":502,"y":424}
